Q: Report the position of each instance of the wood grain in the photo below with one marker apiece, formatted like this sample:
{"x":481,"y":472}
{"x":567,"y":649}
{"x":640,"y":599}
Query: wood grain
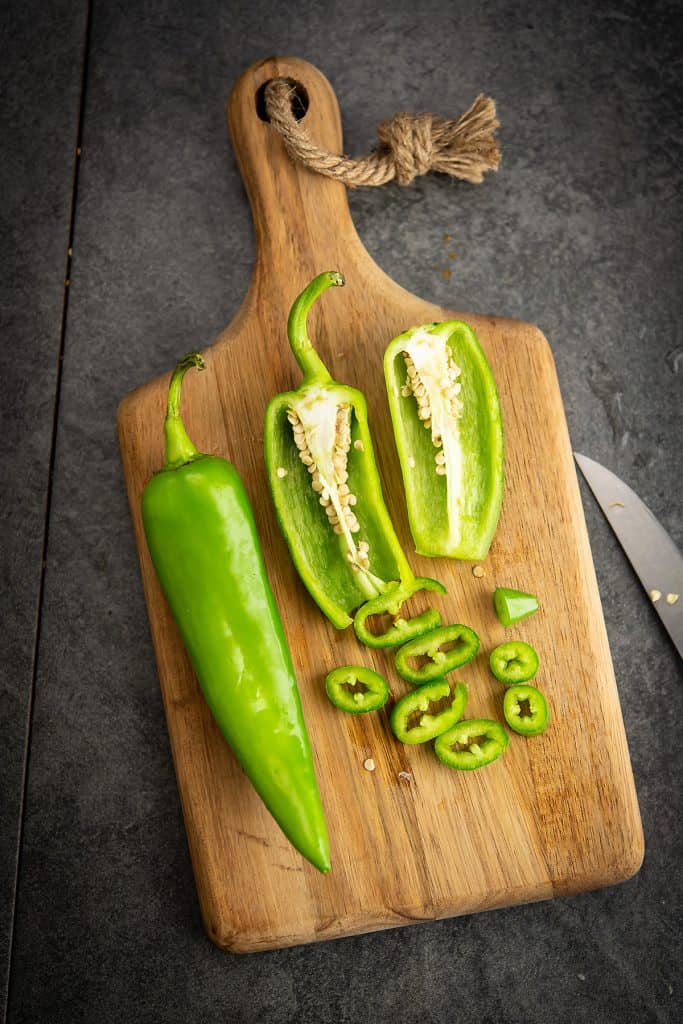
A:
{"x":558,"y":813}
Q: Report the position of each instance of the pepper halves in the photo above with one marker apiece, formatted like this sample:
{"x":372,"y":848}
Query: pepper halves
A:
{"x":203,"y":542}
{"x":438,"y":378}
{"x":327,"y":492}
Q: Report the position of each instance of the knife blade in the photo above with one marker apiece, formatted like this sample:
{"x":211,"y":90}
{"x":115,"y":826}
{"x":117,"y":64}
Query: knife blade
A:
{"x":657,"y":562}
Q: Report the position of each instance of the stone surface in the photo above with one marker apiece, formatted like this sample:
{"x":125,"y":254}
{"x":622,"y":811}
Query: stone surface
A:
{"x":40,"y":85}
{"x":579,"y":232}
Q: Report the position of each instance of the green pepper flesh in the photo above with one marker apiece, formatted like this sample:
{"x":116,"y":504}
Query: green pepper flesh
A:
{"x":514,"y":662}
{"x":465,"y":646}
{"x":356,"y":689}
{"x":401,"y":630}
{"x":526,"y":710}
{"x":425,"y":713}
{"x":202,"y":538}
{"x":325,"y":484}
{"x":513,"y":605}
{"x":471,"y":744}
{"x":329,"y":563}
{"x":453,"y":470}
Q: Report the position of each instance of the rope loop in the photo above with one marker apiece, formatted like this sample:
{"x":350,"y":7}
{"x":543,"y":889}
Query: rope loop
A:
{"x":410,"y":144}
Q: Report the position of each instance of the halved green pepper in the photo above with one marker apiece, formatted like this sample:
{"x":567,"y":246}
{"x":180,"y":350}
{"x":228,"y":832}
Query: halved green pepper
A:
{"x":202,"y":538}
{"x":471,"y":744}
{"x":438,"y":378}
{"x":526,"y":710}
{"x":462,"y":644}
{"x":513,"y":605}
{"x":356,"y":689}
{"x":428,"y":711}
{"x":325,"y":485}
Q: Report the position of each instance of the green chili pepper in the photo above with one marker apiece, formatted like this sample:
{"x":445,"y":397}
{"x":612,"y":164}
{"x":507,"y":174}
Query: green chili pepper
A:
{"x":461,"y":644}
{"x":399,"y":630}
{"x":202,"y":538}
{"x":526,"y":710}
{"x":471,"y":744}
{"x":325,"y":484}
{"x":513,"y":605}
{"x":428,"y":711}
{"x":356,"y":689}
{"x":513,"y":662}
{"x":438,"y":378}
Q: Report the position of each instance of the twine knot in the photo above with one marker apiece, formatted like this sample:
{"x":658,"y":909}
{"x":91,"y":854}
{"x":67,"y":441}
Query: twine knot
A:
{"x":410,"y":144}
{"x":408,"y":138}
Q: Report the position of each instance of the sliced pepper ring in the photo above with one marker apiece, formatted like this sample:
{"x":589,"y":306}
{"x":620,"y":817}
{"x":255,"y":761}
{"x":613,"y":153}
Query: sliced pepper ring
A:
{"x":463,"y":645}
{"x":390,"y":603}
{"x":526,"y":710}
{"x":428,"y":711}
{"x":513,"y":662}
{"x":471,"y":744}
{"x":356,"y":689}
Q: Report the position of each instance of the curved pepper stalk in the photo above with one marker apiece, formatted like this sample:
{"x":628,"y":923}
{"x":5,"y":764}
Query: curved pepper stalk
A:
{"x":449,"y":436}
{"x":202,"y":538}
{"x":325,"y":485}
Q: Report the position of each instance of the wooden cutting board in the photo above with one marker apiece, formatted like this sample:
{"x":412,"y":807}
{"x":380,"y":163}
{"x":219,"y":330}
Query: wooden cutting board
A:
{"x":412,"y":840}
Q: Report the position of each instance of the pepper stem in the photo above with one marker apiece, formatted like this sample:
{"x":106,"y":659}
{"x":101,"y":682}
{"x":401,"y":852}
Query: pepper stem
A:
{"x":179,"y":447}
{"x":312,"y":366}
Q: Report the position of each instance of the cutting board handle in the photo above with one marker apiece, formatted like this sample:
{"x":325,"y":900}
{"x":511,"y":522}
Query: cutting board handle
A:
{"x":302,"y":220}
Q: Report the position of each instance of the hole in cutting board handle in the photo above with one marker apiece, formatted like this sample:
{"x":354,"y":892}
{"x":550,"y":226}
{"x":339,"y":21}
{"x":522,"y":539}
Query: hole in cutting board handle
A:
{"x":299,"y":100}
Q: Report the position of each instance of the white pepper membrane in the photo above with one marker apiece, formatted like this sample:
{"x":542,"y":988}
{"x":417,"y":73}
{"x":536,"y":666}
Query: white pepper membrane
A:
{"x":321,"y":427}
{"x":432,"y":379}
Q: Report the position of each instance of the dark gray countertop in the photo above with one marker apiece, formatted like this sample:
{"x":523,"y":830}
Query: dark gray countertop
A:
{"x":579,"y":232}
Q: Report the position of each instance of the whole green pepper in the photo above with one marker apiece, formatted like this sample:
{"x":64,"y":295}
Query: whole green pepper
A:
{"x":438,"y":378}
{"x":325,"y":484}
{"x":202,"y":538}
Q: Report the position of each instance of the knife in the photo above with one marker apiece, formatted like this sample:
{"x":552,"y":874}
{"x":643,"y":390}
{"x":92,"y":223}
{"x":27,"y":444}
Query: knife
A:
{"x":657,"y":562}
